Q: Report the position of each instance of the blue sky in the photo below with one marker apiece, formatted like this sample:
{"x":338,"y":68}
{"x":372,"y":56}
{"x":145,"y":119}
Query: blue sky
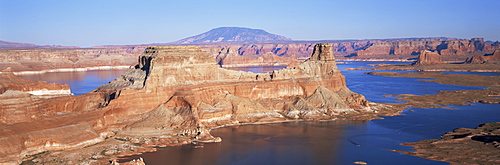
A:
{"x":117,"y":22}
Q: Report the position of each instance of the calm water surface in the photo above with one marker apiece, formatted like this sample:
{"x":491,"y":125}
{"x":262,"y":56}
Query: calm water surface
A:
{"x":80,"y":82}
{"x":336,"y":142}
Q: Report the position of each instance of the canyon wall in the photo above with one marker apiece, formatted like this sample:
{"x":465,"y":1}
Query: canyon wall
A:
{"x":31,"y":60}
{"x":176,"y":91}
{"x":229,"y":57}
{"x":493,"y":58}
{"x":406,"y":49}
{"x":38,"y":59}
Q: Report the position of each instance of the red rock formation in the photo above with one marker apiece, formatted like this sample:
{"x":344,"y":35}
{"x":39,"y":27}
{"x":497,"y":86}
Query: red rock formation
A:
{"x":177,"y":91}
{"x":493,"y":58}
{"x":444,"y":48}
{"x":38,"y":59}
{"x":53,"y":59}
{"x":229,"y":57}
{"x":427,"y":57}
{"x":8,"y":81}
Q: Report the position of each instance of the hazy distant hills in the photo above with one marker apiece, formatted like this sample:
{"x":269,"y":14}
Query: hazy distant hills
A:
{"x":7,"y":44}
{"x":233,"y":35}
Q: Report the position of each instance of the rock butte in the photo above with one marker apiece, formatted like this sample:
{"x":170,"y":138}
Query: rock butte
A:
{"x":427,"y":57}
{"x":178,"y":91}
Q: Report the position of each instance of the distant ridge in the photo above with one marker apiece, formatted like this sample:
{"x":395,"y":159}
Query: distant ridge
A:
{"x":233,"y":35}
{"x":8,"y":44}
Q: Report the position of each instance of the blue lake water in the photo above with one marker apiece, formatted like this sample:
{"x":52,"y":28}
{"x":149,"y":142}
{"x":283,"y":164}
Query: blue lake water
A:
{"x":325,"y":142}
{"x":80,"y":82}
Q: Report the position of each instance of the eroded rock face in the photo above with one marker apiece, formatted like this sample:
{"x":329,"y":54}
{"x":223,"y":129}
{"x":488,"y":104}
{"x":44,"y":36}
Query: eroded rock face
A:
{"x":427,"y":57}
{"x":34,"y":60}
{"x":8,"y":81}
{"x":180,"y":91}
{"x":185,"y":81}
{"x":229,"y":57}
{"x":491,"y":59}
{"x":444,"y":48}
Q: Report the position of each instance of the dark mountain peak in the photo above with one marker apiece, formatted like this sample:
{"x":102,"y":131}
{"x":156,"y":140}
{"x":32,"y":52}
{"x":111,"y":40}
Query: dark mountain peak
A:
{"x":233,"y":35}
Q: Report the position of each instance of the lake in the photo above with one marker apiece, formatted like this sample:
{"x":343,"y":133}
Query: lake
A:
{"x":335,"y":142}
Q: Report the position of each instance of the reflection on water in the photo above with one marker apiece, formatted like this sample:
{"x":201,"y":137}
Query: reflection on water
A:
{"x":79,"y":82}
{"x":280,"y":143}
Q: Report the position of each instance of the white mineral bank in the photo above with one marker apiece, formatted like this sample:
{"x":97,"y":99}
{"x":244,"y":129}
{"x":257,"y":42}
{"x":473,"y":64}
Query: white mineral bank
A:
{"x":51,"y":92}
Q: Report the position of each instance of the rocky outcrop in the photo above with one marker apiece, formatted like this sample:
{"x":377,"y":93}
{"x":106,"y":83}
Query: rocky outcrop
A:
{"x":462,"y":146}
{"x":445,"y":48}
{"x":427,"y":57}
{"x":489,"y":58}
{"x":33,"y":60}
{"x":185,"y":80}
{"x":229,"y":57}
{"x":173,"y":92}
{"x":9,"y":82}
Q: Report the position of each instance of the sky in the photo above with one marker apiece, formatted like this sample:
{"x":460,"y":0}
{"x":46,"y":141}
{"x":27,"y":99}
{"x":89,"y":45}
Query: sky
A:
{"x":88,"y":23}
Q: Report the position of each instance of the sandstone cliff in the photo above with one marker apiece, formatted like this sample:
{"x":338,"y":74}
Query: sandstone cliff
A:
{"x":427,"y":57}
{"x":38,"y":60}
{"x":53,"y":59}
{"x":175,"y":91}
{"x":8,"y":81}
{"x":482,"y":59}
{"x":229,"y":57}
{"x":405,"y":49}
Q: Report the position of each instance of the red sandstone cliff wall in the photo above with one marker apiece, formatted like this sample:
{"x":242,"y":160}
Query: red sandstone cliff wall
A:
{"x":463,"y":48}
{"x":493,"y":58}
{"x":258,"y":54}
{"x":36,"y":59}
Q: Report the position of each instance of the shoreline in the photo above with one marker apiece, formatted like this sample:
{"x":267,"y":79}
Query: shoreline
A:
{"x":382,"y":108}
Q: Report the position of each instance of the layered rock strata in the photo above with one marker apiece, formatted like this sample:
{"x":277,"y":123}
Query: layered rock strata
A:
{"x":50,"y":59}
{"x":450,"y":48}
{"x":178,"y":91}
{"x":427,"y":57}
{"x":39,"y":60}
{"x":229,"y":57}
{"x":485,"y":59}
{"x":9,"y":82}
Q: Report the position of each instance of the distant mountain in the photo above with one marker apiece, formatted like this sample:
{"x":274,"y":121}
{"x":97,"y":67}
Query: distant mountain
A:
{"x":233,"y":35}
